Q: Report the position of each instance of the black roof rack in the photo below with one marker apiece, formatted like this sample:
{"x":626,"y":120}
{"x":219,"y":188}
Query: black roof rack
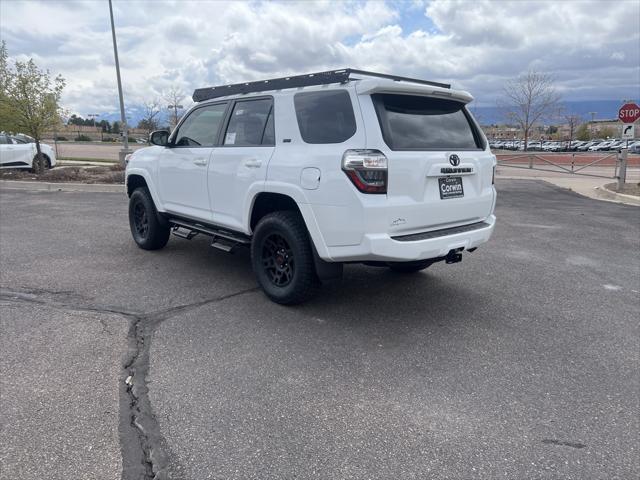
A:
{"x":320,"y":78}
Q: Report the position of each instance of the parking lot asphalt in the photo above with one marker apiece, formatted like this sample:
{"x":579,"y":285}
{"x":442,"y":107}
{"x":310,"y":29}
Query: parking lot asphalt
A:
{"x":519,"y":362}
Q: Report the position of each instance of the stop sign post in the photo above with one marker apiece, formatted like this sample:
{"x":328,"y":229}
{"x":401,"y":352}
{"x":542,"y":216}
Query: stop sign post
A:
{"x":629,"y":113}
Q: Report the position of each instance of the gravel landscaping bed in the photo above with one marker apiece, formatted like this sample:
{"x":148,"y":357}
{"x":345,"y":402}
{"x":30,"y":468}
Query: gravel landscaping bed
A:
{"x":111,"y":174}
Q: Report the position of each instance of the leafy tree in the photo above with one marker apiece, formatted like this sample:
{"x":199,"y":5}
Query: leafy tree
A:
{"x":583,"y":132}
{"x":81,"y":121}
{"x":6,"y":116}
{"x":607,"y":132}
{"x":30,"y":101}
{"x":115,"y":127}
{"x":4,"y":67}
{"x":530,"y":99}
{"x":75,"y":120}
{"x":105,"y":126}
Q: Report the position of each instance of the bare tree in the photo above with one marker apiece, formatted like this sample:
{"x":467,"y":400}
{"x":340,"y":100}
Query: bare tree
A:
{"x":174,"y":96}
{"x":529,"y":99}
{"x":572,"y":121}
{"x":150,"y":118}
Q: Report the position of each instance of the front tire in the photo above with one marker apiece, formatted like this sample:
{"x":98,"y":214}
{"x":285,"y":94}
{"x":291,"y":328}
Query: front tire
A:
{"x":146,"y":229}
{"x":410,"y":267}
{"x":282,"y":258}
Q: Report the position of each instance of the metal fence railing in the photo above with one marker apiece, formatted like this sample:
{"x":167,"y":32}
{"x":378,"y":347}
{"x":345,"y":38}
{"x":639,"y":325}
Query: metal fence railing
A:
{"x":572,"y":164}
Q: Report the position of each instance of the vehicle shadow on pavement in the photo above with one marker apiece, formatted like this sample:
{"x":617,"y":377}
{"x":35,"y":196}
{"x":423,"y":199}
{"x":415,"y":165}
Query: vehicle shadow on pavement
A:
{"x":364,"y":296}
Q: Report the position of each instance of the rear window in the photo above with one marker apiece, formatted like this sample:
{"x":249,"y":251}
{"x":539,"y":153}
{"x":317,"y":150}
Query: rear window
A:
{"x":411,"y":122}
{"x":325,"y":117}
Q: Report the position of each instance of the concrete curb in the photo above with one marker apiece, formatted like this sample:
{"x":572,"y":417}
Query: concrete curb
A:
{"x":61,"y":187}
{"x":610,"y":195}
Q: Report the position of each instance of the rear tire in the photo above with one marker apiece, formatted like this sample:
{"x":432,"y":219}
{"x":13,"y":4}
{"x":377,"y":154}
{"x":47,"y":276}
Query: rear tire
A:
{"x":282,"y":258}
{"x":410,"y":267}
{"x":146,"y":229}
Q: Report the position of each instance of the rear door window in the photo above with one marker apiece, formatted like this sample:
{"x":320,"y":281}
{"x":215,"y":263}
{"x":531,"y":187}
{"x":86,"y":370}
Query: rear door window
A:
{"x":411,"y":122}
{"x":325,"y":117}
{"x":251,"y":124}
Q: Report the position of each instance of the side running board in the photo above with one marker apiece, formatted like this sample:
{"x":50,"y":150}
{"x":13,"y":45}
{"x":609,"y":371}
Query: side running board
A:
{"x":222,"y":239}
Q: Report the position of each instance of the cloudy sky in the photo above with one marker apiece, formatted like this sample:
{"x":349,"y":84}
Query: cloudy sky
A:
{"x":592,"y":48}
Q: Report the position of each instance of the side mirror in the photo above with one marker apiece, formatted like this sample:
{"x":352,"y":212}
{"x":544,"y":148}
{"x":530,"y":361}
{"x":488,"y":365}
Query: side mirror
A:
{"x":160,"y":138}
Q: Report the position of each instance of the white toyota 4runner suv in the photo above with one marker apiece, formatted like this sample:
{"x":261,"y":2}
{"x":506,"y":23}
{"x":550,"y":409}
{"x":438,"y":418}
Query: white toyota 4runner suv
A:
{"x":318,"y":170}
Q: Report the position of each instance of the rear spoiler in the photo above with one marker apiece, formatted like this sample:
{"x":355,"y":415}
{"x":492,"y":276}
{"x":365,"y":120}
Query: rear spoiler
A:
{"x":369,"y":86}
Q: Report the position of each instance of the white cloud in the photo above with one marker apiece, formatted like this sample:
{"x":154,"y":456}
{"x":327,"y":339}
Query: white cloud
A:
{"x":591,"y":47}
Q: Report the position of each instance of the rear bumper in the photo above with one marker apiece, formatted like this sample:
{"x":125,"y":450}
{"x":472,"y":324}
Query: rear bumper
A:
{"x":382,"y":247}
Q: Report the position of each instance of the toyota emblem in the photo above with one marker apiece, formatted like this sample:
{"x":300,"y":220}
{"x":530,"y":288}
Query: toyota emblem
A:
{"x":454,"y":160}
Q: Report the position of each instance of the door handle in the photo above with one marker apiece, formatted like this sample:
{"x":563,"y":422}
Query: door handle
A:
{"x":253,"y":163}
{"x":200,"y":161}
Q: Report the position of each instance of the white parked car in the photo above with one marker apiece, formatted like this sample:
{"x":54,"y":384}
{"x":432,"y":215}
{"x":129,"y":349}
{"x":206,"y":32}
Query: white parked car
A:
{"x":314,"y":171}
{"x":20,"y":152}
{"x":601,"y":146}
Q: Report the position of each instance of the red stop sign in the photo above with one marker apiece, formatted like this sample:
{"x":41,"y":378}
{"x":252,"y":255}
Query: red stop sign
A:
{"x":629,"y":113}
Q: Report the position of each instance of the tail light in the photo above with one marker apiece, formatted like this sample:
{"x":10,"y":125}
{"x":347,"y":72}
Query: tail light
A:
{"x":367,"y":170}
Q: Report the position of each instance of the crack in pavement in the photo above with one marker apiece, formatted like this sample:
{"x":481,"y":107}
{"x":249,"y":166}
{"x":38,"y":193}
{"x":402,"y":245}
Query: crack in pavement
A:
{"x":140,"y":335}
{"x":144,"y":450}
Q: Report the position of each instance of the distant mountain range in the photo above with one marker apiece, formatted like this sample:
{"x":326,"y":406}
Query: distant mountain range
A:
{"x":486,"y":115}
{"x":604,"y":110}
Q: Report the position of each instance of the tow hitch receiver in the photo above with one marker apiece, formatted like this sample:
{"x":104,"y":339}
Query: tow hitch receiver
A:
{"x":454,"y":256}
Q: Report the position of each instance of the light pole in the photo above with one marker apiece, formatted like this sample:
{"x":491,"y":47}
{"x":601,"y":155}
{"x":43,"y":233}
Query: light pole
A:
{"x":593,"y":116}
{"x":125,"y":137}
{"x":93,"y":116}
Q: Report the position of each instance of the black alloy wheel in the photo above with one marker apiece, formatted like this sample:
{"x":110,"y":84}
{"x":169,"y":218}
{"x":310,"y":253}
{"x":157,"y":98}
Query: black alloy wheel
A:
{"x":147,"y":229}
{"x":278,"y":260}
{"x":282,"y":258}
{"x":140,"y":220}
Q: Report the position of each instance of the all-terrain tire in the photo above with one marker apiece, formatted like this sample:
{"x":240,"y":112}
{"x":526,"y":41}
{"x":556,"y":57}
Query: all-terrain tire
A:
{"x":409,"y":267}
{"x":282,"y":258}
{"x":147,"y":230}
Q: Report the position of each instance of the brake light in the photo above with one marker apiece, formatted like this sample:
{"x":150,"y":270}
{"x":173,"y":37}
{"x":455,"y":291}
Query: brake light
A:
{"x":367,"y":170}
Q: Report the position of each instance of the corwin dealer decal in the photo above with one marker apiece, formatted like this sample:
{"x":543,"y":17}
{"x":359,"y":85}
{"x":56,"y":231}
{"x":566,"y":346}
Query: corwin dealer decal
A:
{"x":450,"y":187}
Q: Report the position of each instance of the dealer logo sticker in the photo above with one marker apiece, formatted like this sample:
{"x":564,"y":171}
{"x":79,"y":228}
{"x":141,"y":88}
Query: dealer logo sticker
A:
{"x":450,"y":187}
